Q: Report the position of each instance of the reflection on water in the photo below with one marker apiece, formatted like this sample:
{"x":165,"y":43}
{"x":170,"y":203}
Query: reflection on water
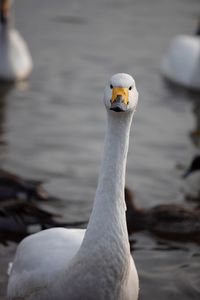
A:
{"x":54,"y":129}
{"x":171,"y":269}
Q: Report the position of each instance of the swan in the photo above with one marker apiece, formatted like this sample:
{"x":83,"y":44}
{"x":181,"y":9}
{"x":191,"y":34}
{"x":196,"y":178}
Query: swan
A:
{"x":181,"y":63}
{"x":15,"y":60}
{"x":95,"y":263}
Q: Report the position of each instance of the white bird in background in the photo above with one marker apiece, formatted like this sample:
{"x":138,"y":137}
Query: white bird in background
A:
{"x":95,"y":263}
{"x":15,"y":60}
{"x":181,"y":63}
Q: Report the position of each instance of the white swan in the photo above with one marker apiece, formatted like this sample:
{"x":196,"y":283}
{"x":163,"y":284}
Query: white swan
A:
{"x":94,"y":264}
{"x":181,"y":64}
{"x":15,"y":59}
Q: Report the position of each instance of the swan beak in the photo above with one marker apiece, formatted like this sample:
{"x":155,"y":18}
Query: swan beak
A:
{"x":119,"y":100}
{"x":4,"y":10}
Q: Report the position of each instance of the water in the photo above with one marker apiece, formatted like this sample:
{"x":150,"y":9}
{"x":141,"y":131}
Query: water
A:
{"x":53,"y":126}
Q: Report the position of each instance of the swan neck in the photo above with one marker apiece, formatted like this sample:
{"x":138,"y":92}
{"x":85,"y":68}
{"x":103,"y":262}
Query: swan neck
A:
{"x":113,"y":166}
{"x":107,"y":220}
{"x":105,"y":249}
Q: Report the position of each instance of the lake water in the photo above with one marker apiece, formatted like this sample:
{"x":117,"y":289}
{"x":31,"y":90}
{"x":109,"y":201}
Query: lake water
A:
{"x":53,"y":126}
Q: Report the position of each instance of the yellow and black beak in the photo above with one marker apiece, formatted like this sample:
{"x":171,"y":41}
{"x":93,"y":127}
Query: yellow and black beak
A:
{"x":119,"y":100}
{"x":4,"y":11}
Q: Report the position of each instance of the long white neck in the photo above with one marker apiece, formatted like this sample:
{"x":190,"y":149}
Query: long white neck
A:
{"x":107,"y":223}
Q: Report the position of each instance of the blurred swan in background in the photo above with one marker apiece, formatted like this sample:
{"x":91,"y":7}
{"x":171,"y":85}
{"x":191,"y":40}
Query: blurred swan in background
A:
{"x":15,"y":60}
{"x":76,"y":264}
{"x":181,"y":63}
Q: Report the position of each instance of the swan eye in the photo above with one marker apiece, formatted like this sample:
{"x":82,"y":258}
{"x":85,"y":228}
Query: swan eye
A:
{"x":130,"y":88}
{"x":111,"y":86}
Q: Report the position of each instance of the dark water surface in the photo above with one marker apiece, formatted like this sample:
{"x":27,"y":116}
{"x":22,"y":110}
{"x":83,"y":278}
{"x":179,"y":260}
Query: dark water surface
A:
{"x":53,"y":126}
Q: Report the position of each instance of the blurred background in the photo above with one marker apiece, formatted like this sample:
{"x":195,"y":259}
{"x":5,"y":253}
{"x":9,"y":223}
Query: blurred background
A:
{"x":52,"y":126}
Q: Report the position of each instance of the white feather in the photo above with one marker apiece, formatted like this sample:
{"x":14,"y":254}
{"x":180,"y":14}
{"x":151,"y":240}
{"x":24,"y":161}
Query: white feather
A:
{"x":15,"y":59}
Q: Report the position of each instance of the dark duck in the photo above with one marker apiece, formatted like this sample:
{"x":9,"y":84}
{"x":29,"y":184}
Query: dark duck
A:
{"x":194,"y":166}
{"x":20,"y":210}
{"x":14,"y":186}
{"x":192,"y":174}
{"x":171,"y":221}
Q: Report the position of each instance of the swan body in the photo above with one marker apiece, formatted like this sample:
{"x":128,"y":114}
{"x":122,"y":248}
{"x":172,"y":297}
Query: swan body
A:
{"x":95,"y":263}
{"x":181,"y":64}
{"x":15,"y":59}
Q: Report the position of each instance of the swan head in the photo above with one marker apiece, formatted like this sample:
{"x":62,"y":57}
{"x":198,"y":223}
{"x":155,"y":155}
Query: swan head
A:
{"x":120,"y":94}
